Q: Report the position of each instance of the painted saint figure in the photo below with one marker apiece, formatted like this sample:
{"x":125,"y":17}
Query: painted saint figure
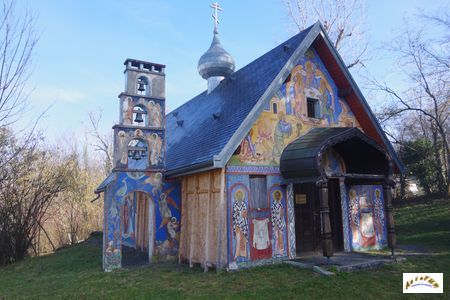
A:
{"x":290,"y":97}
{"x":327,"y":102}
{"x":247,"y":148}
{"x":240,"y":225}
{"x":379,"y":216}
{"x":278,"y":222}
{"x":354,"y":216}
{"x":283,"y":130}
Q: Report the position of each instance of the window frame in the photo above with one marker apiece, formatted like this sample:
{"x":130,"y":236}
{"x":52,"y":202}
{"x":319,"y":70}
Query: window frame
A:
{"x":316,"y":107}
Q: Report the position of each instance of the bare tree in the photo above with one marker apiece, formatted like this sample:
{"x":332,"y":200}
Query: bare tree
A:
{"x":73,"y":216}
{"x":102,"y":142}
{"x":31,"y":180}
{"x":425,"y":61}
{"x":343,"y":21}
{"x":17,"y":42}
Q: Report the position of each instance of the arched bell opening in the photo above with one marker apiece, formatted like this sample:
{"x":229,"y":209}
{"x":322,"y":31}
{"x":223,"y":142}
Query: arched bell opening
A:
{"x":140,"y":116}
{"x":138,"y":228}
{"x":143,"y":86}
{"x":137,"y":154}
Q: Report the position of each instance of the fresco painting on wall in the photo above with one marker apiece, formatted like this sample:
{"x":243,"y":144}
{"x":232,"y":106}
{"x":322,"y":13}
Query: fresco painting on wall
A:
{"x":152,"y":108}
{"x":256,"y":233}
{"x":366,"y":215}
{"x":129,"y":208}
{"x":120,"y":201}
{"x":333,"y":163}
{"x":167,"y":233}
{"x":286,"y":116}
{"x":278,"y":221}
{"x":240,"y":224}
{"x":146,"y":139}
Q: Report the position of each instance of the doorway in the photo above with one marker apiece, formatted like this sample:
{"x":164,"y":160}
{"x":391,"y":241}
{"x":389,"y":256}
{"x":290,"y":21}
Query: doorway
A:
{"x":138,"y":229}
{"x":307,"y":218}
{"x":334,"y":203}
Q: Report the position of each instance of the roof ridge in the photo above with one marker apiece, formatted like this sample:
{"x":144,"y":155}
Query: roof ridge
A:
{"x":249,"y":64}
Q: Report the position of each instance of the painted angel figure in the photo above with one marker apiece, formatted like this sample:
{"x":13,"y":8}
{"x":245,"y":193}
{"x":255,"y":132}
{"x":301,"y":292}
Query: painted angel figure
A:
{"x":157,"y":115}
{"x":122,"y":141}
{"x":164,"y":210}
{"x":155,"y":146}
{"x":127,"y":111}
{"x":240,"y":224}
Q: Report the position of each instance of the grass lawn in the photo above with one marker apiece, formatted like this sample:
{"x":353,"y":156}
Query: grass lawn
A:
{"x":76,"y":273}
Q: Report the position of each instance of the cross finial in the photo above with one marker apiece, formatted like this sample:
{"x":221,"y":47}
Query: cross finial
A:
{"x":215,"y":16}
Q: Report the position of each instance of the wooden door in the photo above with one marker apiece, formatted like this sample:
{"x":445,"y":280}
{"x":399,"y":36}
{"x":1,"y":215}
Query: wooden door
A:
{"x":142,"y":221}
{"x":307,"y":218}
{"x":334,"y":196}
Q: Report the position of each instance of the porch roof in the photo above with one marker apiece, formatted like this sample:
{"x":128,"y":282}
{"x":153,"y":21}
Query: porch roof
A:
{"x":301,"y":160}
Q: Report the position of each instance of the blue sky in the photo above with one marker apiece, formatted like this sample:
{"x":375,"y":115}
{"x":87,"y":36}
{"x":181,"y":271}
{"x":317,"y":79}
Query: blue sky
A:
{"x":78,"y":62}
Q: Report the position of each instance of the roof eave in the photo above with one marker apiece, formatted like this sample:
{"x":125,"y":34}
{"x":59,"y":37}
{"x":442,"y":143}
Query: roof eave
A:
{"x":191,"y":169}
{"x":363,"y":100}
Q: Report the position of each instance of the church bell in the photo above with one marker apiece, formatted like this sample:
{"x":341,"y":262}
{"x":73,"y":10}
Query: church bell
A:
{"x":138,"y":118}
{"x":141,"y":86}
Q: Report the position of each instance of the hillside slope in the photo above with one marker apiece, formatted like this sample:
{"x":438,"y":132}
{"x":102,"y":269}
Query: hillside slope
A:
{"x":75,"y":272}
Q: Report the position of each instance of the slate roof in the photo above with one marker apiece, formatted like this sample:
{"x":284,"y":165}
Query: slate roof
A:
{"x":194,"y":135}
{"x":108,"y":180}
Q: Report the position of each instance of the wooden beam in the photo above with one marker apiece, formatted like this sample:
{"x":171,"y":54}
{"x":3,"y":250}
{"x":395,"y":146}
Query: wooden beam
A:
{"x":392,"y":241}
{"x":325,"y":224}
{"x":345,"y":91}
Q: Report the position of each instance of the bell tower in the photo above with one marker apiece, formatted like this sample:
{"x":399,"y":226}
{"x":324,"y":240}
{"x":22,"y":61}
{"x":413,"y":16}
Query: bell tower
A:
{"x":139,"y":136}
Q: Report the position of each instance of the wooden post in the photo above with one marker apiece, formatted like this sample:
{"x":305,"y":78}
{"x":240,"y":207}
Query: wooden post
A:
{"x":392,"y":242}
{"x":219,"y":227}
{"x":325,"y":224}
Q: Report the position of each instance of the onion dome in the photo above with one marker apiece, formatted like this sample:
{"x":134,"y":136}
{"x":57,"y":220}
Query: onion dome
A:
{"x":216,"y":61}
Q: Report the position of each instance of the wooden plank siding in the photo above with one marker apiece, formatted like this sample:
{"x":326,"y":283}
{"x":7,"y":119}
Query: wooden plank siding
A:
{"x":202,"y":207}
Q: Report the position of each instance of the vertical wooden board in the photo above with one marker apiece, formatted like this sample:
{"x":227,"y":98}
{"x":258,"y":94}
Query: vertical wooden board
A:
{"x":197,"y":231}
{"x":203,"y":182}
{"x":191,"y":184}
{"x":202,"y":226}
{"x":217,"y":179}
{"x":183,"y":229}
{"x":214,"y":224}
{"x":224,"y":229}
{"x":189,"y":224}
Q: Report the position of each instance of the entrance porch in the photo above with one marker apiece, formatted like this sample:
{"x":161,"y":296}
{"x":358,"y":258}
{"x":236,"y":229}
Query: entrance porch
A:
{"x":341,"y":184}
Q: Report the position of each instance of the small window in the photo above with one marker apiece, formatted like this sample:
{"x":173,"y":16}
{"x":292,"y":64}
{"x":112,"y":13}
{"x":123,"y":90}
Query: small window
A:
{"x":258,"y":187}
{"x":313,"y":108}
{"x":274,"y":108}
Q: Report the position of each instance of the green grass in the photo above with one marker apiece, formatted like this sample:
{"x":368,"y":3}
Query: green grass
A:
{"x":76,"y":273}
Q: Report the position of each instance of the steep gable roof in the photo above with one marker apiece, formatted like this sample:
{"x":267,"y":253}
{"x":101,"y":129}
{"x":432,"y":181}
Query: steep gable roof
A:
{"x":204,"y":132}
{"x":195,"y":136}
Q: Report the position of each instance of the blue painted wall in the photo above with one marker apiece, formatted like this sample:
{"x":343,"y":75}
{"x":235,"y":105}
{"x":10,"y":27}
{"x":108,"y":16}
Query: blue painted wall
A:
{"x":166,"y":197}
